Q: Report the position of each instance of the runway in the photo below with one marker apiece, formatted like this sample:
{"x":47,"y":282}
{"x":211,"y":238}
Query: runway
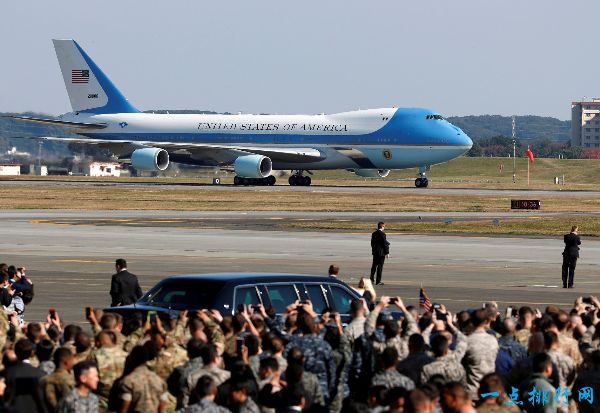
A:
{"x":401,"y":187}
{"x":71,"y":263}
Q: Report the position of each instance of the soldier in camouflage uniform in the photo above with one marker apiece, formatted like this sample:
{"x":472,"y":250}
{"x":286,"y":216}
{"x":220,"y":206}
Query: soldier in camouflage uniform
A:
{"x":83,"y":347}
{"x":142,"y":390}
{"x":412,"y":366}
{"x":206,"y":391}
{"x":62,"y":381}
{"x":447,"y":365}
{"x":317,"y":353}
{"x":169,"y":355}
{"x":482,"y":348}
{"x":81,"y":399}
{"x":211,"y":361}
{"x":394,"y":336}
{"x":177,"y":381}
{"x":564,"y":363}
{"x":389,"y":377}
{"x":110,"y":359}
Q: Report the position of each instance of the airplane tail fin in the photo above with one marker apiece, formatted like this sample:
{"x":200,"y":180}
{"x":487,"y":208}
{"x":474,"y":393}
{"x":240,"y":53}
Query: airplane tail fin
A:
{"x":89,"y":89}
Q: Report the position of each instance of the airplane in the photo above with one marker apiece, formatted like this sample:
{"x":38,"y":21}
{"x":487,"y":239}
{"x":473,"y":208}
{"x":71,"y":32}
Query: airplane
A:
{"x":369,"y":143}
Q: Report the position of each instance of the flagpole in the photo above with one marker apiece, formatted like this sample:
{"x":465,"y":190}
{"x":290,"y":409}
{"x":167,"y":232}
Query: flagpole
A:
{"x":528,"y":161}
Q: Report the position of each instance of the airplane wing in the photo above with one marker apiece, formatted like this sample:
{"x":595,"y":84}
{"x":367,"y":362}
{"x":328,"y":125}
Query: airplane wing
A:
{"x":281,"y":154}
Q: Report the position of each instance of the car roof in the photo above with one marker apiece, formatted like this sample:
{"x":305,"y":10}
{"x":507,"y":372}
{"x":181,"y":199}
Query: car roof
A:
{"x":260,"y":277}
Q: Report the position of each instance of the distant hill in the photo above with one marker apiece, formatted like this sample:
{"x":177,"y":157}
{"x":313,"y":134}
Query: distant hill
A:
{"x":527,"y":127}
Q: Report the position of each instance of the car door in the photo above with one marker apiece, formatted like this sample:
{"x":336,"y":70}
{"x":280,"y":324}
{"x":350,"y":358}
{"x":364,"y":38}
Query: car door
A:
{"x":341,"y":298}
{"x":246,"y":294}
{"x":317,"y":294}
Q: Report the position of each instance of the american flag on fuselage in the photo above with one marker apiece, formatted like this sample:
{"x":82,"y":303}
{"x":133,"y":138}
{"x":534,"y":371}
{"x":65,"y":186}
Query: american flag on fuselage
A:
{"x":424,"y":301}
{"x":80,"y":76}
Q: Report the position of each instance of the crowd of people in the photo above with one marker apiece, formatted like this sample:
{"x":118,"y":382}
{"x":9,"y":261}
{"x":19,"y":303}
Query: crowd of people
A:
{"x":388,"y":357}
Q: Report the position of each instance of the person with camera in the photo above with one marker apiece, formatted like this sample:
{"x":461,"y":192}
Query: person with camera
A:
{"x":570,"y":255}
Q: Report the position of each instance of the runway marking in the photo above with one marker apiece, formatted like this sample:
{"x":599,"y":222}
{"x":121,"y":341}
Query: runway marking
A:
{"x":85,"y":261}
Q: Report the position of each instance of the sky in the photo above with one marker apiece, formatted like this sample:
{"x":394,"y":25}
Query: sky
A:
{"x":459,"y":57}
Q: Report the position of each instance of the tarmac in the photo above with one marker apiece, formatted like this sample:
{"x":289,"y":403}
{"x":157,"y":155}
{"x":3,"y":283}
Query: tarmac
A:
{"x":70,"y":257}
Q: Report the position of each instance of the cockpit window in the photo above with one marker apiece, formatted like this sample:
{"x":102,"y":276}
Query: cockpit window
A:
{"x":436,"y":117}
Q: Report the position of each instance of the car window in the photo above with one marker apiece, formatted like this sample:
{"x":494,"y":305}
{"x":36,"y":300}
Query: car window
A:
{"x":341,"y":299}
{"x":246,"y":295}
{"x":281,"y":296}
{"x":315,"y":293}
{"x":183,"y":294}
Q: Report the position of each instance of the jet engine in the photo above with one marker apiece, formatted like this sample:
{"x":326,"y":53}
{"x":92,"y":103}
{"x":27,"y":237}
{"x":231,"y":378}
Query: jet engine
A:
{"x":253,"y":166}
{"x":372,"y":173}
{"x":150,"y":159}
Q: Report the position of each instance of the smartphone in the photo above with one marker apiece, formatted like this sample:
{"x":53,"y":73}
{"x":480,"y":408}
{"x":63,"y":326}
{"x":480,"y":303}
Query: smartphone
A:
{"x":52,"y":313}
{"x":441,"y":316}
{"x":239,"y":342}
{"x":88,"y":312}
{"x":151,"y":316}
{"x":587,"y":300}
{"x":509,"y":311}
{"x":436,"y":306}
{"x":393,"y":300}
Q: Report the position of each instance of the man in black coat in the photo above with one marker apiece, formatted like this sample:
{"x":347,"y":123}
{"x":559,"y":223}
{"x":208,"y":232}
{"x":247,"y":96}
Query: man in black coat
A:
{"x":570,"y":255}
{"x":380,"y":248}
{"x":124,"y":286}
{"x":23,"y":388}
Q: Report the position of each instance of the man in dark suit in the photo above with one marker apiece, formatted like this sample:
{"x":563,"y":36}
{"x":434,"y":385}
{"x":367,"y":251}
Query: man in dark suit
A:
{"x":380,"y":248}
{"x":570,"y":255}
{"x":23,"y":388}
{"x":124,"y":286}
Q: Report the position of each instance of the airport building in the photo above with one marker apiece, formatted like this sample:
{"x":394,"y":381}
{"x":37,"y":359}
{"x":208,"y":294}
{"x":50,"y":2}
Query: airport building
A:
{"x":10,"y":169}
{"x":585,"y":124}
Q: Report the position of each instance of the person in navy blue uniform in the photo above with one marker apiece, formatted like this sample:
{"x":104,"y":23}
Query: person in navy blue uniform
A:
{"x":380,"y":248}
{"x":570,"y":255}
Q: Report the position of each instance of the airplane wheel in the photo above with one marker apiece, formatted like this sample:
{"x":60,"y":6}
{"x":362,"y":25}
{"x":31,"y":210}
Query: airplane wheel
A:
{"x":292,"y":180}
{"x":424,"y":183}
{"x":271,"y":180}
{"x":236,"y":180}
{"x":307,"y":181}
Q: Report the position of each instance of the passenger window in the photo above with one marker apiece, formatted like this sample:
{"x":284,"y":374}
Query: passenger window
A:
{"x":246,"y":295}
{"x":281,"y":296}
{"x":317,"y":299}
{"x":341,"y":299}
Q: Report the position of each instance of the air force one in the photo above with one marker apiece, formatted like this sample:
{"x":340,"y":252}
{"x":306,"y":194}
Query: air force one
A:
{"x":368,"y":142}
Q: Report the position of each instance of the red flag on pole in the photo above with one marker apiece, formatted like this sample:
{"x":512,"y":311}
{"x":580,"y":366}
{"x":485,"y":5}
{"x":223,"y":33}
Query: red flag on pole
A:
{"x":529,"y":155}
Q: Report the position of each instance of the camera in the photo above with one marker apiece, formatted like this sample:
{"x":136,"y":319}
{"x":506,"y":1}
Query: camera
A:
{"x":393,"y":300}
{"x":239,"y":342}
{"x":587,"y":300}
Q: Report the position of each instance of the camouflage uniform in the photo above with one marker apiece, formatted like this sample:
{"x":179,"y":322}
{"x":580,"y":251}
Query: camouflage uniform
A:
{"x":56,"y":386}
{"x":84,"y":355}
{"x":249,"y":407}
{"x":312,"y":389}
{"x":479,"y":360}
{"x":4,"y":327}
{"x":217,"y":374}
{"x":539,"y":382}
{"x":355,"y":328}
{"x":390,"y":378}
{"x":110,"y":362}
{"x":119,"y":336}
{"x":144,"y":389}
{"x":204,"y":406}
{"x":570,"y":347}
{"x":448,"y":366}
{"x":318,"y":359}
{"x":73,"y":402}
{"x":566,"y":368}
{"x":412,"y":366}
{"x":167,"y":359}
{"x":177,"y":381}
{"x":132,"y":339}
{"x":515,"y":349}
{"x":47,"y":366}
{"x":400,"y":342}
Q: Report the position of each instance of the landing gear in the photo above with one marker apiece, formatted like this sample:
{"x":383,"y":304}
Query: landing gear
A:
{"x":299,"y":180}
{"x":422,"y":181}
{"x":241,"y":181}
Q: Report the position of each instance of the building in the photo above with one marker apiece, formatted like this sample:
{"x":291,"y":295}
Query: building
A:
{"x":39,"y":170}
{"x":585,"y":124}
{"x":98,"y":169}
{"x":10,"y":169}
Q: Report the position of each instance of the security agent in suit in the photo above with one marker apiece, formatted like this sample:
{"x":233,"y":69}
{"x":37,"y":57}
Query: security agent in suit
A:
{"x":380,"y":248}
{"x":124,"y":286}
{"x":570,"y":255}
